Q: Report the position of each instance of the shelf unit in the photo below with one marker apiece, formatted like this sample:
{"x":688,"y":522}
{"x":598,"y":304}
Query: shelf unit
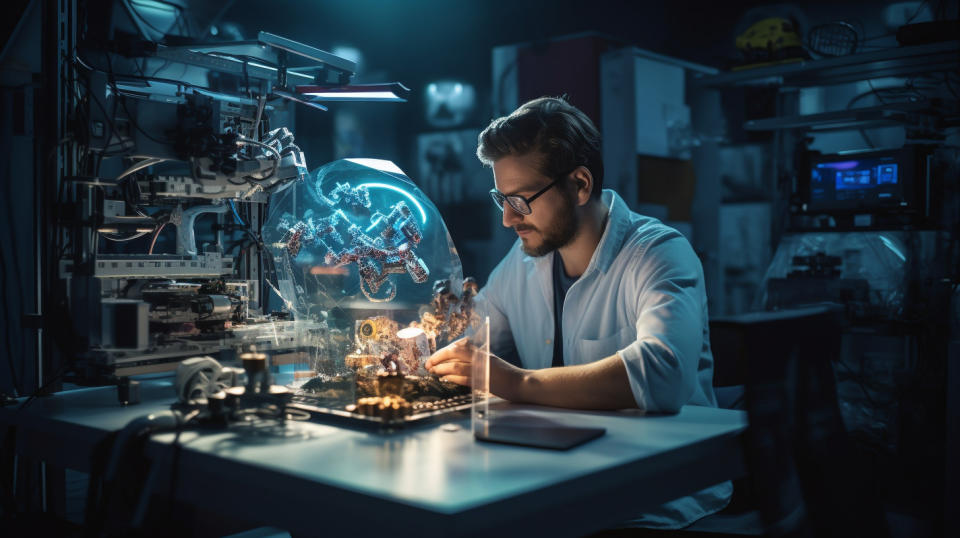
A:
{"x":788,"y":125}
{"x":894,"y":62}
{"x":856,"y":118}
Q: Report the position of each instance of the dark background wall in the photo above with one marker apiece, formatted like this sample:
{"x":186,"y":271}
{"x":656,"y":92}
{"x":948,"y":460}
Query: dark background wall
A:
{"x":419,"y":41}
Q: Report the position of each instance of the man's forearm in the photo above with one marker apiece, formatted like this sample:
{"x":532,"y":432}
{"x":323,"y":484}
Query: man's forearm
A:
{"x":599,"y":385}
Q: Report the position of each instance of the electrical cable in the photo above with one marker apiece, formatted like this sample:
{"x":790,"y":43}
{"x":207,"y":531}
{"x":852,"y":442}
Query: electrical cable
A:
{"x":156,"y":234}
{"x":62,"y":371}
{"x":249,"y":141}
{"x":135,"y":168}
{"x":121,"y":472}
{"x":113,"y":115}
{"x":236,"y":215}
{"x":137,"y":235}
{"x":91,"y":95}
{"x":907,"y":93}
{"x":146,"y":163}
{"x":277,"y":159}
{"x":119,"y":98}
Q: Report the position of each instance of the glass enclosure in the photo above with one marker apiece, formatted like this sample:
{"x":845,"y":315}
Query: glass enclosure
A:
{"x":364,"y":259}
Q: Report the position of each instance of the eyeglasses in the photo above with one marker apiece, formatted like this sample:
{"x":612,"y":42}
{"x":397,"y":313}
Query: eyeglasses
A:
{"x":518,"y":203}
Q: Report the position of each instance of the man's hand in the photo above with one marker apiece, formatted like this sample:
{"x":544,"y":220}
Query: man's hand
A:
{"x":454,"y":363}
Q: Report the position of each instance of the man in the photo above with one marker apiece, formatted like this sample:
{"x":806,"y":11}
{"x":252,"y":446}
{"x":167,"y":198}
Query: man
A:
{"x":597,"y":306}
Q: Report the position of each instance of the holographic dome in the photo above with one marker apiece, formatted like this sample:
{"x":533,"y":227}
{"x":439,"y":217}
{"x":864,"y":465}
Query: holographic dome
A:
{"x":357,"y":234}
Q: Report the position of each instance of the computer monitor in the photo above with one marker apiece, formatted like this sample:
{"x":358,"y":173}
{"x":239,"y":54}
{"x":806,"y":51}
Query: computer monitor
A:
{"x":874,"y":182}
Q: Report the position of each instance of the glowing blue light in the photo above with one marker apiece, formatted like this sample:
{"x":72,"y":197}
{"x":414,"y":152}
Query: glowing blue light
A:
{"x":373,"y":224}
{"x":352,"y":96}
{"x":423,"y":214}
{"x":893,"y":248}
{"x":262,"y":66}
{"x":378,"y":164}
{"x":843,"y":165}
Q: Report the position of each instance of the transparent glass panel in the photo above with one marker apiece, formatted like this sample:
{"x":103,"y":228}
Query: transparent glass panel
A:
{"x":480,"y":380}
{"x":357,"y":249}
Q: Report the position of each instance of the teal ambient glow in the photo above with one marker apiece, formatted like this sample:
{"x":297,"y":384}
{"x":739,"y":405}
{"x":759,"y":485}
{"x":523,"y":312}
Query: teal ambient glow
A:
{"x":163,"y":7}
{"x":893,"y":248}
{"x":423,"y":214}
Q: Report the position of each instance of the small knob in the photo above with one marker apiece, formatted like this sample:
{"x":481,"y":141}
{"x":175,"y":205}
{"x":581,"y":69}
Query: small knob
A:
{"x":253,"y":363}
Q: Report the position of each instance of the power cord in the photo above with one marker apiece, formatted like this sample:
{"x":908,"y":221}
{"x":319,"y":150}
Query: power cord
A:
{"x":119,"y":480}
{"x":61,"y":372}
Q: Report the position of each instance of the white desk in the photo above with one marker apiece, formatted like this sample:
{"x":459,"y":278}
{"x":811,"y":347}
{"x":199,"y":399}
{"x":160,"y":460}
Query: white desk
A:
{"x":425,"y":480}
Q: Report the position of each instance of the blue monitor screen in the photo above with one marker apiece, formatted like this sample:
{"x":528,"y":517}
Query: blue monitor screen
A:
{"x":856,"y":183}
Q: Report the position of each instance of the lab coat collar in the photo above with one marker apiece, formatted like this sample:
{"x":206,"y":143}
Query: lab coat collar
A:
{"x":619,"y":224}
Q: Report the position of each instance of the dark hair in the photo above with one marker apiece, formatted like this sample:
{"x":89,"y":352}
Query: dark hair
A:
{"x":559,"y":131}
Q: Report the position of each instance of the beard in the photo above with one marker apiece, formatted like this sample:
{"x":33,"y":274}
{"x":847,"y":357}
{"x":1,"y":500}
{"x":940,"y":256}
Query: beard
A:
{"x":558,"y":233}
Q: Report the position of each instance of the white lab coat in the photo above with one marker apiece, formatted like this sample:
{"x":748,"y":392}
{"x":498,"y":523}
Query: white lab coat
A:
{"x":641,"y":297}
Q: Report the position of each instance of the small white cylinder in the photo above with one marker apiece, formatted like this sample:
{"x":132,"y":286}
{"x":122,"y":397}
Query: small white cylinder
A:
{"x":414,"y":350}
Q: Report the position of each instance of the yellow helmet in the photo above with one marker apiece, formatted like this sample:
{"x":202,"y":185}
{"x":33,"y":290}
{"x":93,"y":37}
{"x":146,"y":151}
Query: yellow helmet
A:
{"x":773,"y":38}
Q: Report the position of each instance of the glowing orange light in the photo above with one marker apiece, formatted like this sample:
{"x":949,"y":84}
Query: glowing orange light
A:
{"x":322,"y":270}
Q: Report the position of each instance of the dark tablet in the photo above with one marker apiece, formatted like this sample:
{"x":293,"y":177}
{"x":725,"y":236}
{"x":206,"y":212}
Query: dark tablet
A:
{"x":553,"y":437}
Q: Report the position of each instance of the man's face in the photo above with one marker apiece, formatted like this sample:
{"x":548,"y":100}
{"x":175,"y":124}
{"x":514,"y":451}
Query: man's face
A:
{"x":553,"y":221}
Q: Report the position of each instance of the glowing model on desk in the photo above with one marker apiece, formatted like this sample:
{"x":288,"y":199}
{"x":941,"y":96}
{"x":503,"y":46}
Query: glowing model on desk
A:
{"x":385,"y":246}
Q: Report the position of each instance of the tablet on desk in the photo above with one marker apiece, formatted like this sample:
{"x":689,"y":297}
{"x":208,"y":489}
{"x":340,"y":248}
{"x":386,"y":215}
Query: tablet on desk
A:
{"x":552,"y":437}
